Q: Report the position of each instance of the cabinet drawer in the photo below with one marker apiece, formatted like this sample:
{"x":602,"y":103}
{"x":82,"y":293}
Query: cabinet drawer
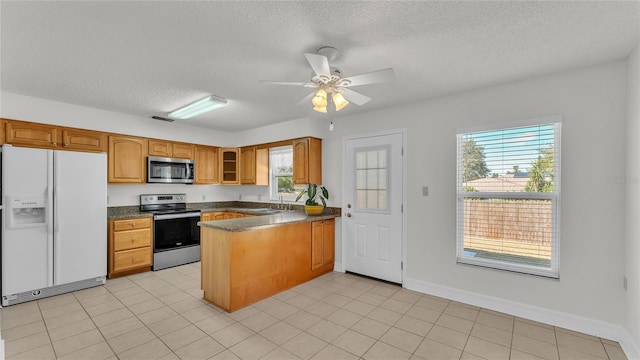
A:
{"x":129,"y":259}
{"x":131,"y":224}
{"x":123,"y":240}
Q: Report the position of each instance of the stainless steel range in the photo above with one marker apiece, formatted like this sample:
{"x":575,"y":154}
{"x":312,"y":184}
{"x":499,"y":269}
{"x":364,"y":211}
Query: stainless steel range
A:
{"x":176,"y":235}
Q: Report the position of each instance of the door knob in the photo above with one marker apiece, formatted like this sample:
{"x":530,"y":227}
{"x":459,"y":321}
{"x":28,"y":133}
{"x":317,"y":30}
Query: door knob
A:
{"x":348,"y":214}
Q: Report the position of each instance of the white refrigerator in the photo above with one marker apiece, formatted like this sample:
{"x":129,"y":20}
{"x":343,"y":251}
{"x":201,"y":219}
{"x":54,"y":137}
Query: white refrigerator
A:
{"x":54,"y":222}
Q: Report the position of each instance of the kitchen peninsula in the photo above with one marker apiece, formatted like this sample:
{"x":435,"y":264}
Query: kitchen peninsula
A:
{"x":246,"y":260}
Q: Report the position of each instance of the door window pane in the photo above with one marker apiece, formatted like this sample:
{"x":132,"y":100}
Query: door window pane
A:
{"x":372,"y":178}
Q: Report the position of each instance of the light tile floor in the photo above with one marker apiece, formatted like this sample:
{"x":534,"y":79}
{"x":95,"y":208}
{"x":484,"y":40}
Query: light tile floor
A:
{"x":161,"y":315}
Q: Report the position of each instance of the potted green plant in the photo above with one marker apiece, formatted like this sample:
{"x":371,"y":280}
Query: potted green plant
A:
{"x":313,"y":192}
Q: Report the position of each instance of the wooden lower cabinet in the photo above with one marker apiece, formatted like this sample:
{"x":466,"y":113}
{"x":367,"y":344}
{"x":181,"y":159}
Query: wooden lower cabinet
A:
{"x":322,"y":243}
{"x":240,"y":268}
{"x":222,"y":215}
{"x":130,"y":246}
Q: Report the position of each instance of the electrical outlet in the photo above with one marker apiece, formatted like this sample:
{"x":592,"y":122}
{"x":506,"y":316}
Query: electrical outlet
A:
{"x":204,"y":197}
{"x":425,"y":191}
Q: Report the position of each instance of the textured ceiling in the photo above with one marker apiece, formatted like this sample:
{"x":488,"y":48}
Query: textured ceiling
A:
{"x":149,"y":58}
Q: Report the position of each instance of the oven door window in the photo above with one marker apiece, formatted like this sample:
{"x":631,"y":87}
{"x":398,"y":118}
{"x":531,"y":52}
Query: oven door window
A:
{"x":175,"y":233}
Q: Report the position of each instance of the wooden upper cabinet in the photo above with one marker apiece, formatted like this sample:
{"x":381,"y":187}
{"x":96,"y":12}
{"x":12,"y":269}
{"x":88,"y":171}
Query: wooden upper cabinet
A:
{"x":31,"y":134}
{"x":262,"y":166}
{"x":84,"y":140}
{"x":229,"y":166}
{"x":206,"y":164}
{"x":248,"y":165}
{"x":254,"y":166}
{"x":182,"y":150}
{"x":307,"y":161}
{"x":127,"y":159}
{"x":163,"y":148}
{"x":44,"y":136}
{"x":159,"y":148}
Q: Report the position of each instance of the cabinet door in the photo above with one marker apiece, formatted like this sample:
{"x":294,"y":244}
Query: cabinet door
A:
{"x":206,"y":216}
{"x":30,"y":134}
{"x":84,"y":140}
{"x":159,"y":148}
{"x":262,"y":166}
{"x":127,"y":159}
{"x":206,"y":164}
{"x":307,"y":161}
{"x":229,"y":166}
{"x":317,"y":242}
{"x":182,"y":151}
{"x":329,"y":241}
{"x":300,"y":161}
{"x":248,"y":165}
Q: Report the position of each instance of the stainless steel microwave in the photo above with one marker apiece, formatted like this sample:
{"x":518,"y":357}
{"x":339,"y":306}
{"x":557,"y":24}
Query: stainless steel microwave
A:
{"x":169,"y":170}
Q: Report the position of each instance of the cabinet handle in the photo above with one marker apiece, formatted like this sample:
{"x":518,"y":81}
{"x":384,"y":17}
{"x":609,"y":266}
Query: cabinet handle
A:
{"x":54,"y":143}
{"x":65,"y":144}
{"x":133,"y":224}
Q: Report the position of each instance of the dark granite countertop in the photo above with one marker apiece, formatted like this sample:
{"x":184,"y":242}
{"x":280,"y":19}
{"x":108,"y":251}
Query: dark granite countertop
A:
{"x":254,"y":208}
{"x":265,"y":221}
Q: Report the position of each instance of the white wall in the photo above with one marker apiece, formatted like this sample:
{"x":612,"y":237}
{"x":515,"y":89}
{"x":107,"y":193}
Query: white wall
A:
{"x":632,"y":211}
{"x":592,"y":103}
{"x":20,"y":107}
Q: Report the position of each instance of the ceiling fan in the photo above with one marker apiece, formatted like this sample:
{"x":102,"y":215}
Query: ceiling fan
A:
{"x":328,"y":80}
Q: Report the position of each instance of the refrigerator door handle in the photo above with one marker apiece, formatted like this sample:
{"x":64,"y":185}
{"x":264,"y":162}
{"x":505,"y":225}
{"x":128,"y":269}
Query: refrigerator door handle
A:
{"x":50,"y":218}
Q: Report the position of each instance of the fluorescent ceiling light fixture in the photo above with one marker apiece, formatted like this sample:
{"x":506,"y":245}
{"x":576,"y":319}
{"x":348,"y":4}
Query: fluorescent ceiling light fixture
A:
{"x":209,"y":103}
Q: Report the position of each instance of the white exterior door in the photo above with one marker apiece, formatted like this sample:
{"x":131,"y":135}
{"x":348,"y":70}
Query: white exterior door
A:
{"x":372,"y":210}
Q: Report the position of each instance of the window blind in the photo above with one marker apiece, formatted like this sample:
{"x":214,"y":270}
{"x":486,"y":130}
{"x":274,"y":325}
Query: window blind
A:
{"x":508,"y":190}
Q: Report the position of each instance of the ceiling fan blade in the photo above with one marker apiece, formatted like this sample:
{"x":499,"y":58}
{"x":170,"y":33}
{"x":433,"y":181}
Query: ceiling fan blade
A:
{"x":355,"y":97}
{"x":306,"y":99}
{"x":373,"y":77}
{"x":288,"y":83}
{"x":319,"y":64}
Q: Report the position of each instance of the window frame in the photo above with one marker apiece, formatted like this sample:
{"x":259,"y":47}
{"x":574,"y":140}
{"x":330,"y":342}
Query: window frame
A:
{"x":273,"y":177}
{"x":554,"y":270}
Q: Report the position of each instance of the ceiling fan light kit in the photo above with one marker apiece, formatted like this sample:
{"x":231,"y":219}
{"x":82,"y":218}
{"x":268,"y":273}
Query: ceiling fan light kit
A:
{"x":319,"y":101}
{"x":329,"y":80}
{"x":201,"y":106}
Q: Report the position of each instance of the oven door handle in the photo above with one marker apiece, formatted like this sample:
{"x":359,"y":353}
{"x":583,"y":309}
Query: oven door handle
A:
{"x":176,"y":216}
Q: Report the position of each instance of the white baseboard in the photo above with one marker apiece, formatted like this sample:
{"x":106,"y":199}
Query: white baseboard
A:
{"x":556,"y":318}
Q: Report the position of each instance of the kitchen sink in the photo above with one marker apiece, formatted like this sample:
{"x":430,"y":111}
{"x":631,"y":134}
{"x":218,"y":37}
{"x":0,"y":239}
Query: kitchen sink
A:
{"x":265,"y":211}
